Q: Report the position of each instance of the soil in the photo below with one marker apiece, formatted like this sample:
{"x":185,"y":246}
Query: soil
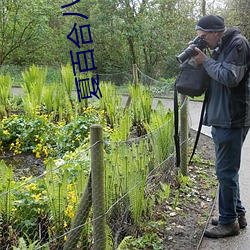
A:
{"x":186,"y":223}
{"x":25,"y":164}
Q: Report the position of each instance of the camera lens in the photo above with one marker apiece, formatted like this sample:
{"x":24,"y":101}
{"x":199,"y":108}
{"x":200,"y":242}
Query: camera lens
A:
{"x":187,"y":53}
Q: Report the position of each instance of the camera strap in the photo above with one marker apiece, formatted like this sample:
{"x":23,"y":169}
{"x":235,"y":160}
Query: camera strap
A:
{"x":199,"y":127}
{"x":176,"y":126}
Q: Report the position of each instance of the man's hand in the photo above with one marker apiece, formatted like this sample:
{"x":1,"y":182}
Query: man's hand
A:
{"x":200,"y":58}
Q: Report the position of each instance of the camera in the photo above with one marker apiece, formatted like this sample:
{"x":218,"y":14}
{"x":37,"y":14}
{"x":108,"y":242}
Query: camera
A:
{"x":190,"y":51}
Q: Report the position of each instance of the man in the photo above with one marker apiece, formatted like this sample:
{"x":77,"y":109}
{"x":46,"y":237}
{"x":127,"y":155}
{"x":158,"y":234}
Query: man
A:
{"x":228,"y":112}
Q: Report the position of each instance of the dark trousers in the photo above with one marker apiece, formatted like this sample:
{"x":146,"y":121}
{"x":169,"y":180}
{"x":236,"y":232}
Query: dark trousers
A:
{"x":228,"y":145}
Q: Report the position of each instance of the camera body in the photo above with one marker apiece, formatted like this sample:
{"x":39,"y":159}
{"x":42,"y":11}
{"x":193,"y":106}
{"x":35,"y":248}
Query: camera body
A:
{"x":190,"y":51}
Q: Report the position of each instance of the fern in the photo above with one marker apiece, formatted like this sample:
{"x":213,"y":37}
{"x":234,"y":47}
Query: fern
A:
{"x":67,"y":79}
{"x":161,"y":126}
{"x":48,"y":98}
{"x":33,"y":86}
{"x":56,"y":185}
{"x":6,"y":184}
{"x":5,"y":90}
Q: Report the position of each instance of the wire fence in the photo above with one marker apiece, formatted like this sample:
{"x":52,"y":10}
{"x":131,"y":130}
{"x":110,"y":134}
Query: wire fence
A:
{"x":42,"y":208}
{"x":54,"y":210}
{"x":161,"y":87}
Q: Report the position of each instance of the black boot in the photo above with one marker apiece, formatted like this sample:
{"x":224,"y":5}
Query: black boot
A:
{"x":241,"y":219}
{"x":221,"y":231}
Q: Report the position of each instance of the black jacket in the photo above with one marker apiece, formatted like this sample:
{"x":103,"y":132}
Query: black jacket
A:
{"x":229,"y":90}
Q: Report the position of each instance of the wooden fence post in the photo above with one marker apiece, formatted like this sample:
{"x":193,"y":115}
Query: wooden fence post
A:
{"x":98,"y":194}
{"x":135,"y":74}
{"x":80,"y":218}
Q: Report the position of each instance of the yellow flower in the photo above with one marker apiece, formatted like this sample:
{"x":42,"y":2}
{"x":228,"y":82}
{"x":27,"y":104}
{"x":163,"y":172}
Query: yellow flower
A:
{"x":73,"y":199}
{"x":14,"y":209}
{"x":37,"y":196}
{"x":12,"y":145}
{"x":6,"y":132}
{"x":45,"y":151}
{"x":69,"y":211}
{"x":31,"y":187}
{"x":16,"y":152}
{"x":38,"y":155}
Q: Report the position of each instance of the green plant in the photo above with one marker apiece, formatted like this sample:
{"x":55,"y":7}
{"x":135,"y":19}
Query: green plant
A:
{"x":184,"y":181}
{"x":23,"y":134}
{"x":67,"y":79}
{"x":147,"y":241}
{"x":48,"y":98}
{"x":161,"y":126}
{"x":6,"y":196}
{"x":126,"y":173}
{"x":141,"y":104}
{"x":56,"y":187}
{"x":30,"y":208}
{"x":5,"y":90}
{"x":111,"y":104}
{"x":164,"y":191}
{"x":33,"y":86}
{"x":62,"y":107}
{"x":45,"y":138}
{"x":64,"y":185}
{"x":176,"y":199}
{"x":23,"y":246}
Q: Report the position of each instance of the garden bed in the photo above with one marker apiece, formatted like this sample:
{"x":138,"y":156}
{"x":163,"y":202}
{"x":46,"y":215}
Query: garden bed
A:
{"x":186,"y":224}
{"x":178,"y":221}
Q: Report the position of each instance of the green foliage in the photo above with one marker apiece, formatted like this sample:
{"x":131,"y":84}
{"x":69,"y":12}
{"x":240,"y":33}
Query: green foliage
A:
{"x":30,"y":206}
{"x":24,"y":26}
{"x":141,"y":104}
{"x":57,"y":188}
{"x":6,"y":184}
{"x":43,"y":137}
{"x":184,"y":181}
{"x":161,"y":126}
{"x":164,"y":191}
{"x":5,"y":89}
{"x":126,"y":172}
{"x":146,"y":33}
{"x":33,"y":86}
{"x":147,"y":241}
{"x":67,"y":79}
{"x":128,"y":161}
{"x":111,"y":104}
{"x":48,"y":98}
{"x":30,"y":245}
